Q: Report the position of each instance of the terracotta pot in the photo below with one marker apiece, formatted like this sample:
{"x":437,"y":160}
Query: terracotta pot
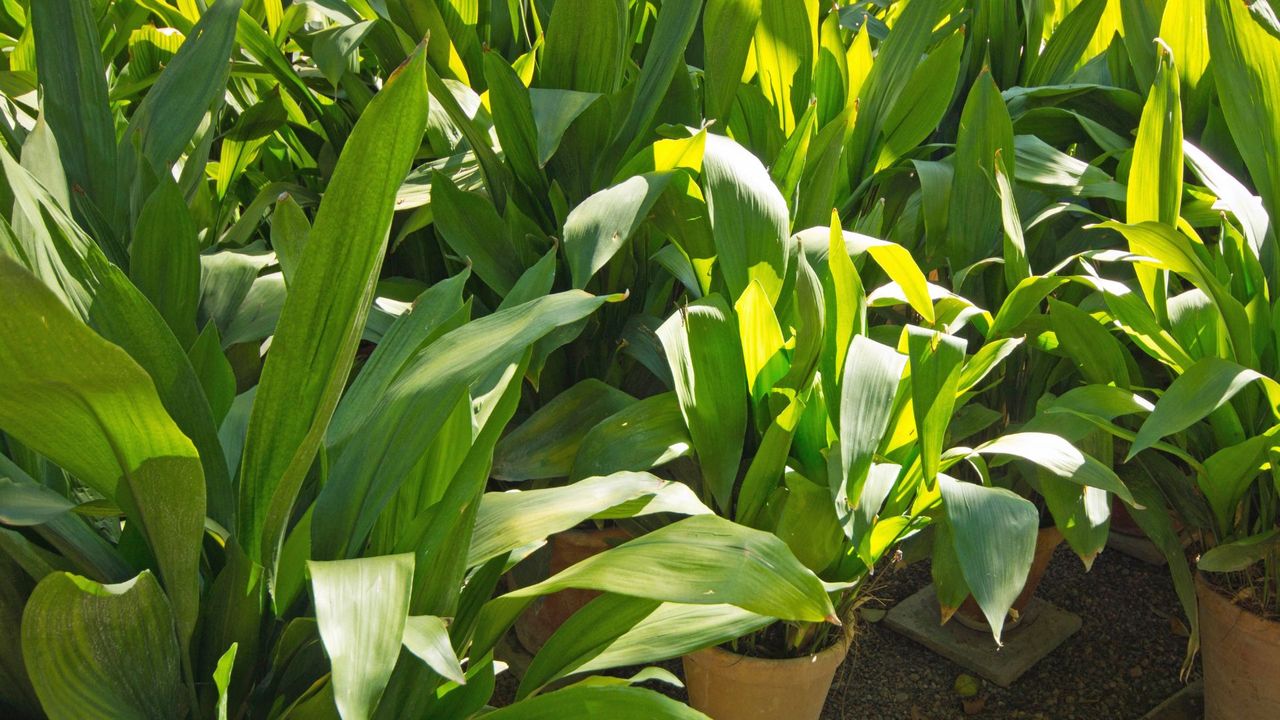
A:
{"x":728,"y":686}
{"x":548,"y":613}
{"x":1048,"y":540}
{"x":1240,"y":654}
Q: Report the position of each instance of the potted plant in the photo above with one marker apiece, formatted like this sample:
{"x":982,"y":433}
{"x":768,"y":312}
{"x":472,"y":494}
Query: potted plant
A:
{"x":1197,"y":318}
{"x":140,"y":580}
{"x":842,"y":470}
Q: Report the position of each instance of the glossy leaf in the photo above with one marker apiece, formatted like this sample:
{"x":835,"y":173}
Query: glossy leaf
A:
{"x":427,"y":637}
{"x":67,"y":46}
{"x":749,"y":219}
{"x":315,"y":342}
{"x":102,"y":651}
{"x":995,"y":538}
{"x":85,"y":404}
{"x":510,"y":520}
{"x":361,"y":607}
{"x":1203,"y":388}
{"x":704,"y":560}
{"x":641,"y":436}
{"x":705,"y":356}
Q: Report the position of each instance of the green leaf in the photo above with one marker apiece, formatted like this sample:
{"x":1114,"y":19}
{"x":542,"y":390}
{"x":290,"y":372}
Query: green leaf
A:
{"x":24,"y":502}
{"x":507,"y":521}
{"x":641,"y":436}
{"x":1022,"y":300}
{"x":590,"y":61}
{"x":425,"y":322}
{"x":336,"y":50}
{"x":985,"y":137}
{"x":513,"y":120}
{"x":472,"y":228}
{"x":54,"y":248}
{"x":1246,"y":66}
{"x":1016,"y":266}
{"x":1155,"y":175}
{"x":1193,"y":395}
{"x":936,"y":365}
{"x":497,"y":178}
{"x":1240,"y":555}
{"x":1184,"y":26}
{"x":618,"y":631}
{"x":1067,"y":45}
{"x":85,"y":404}
{"x":872,"y":374}
{"x":987,"y":358}
{"x":102,"y":651}
{"x":889,"y":76}
{"x":901,"y":267}
{"x":74,"y":101}
{"x":749,"y":219}
{"x":382,"y":450}
{"x":216,"y":375}
{"x":1062,"y":459}
{"x":1175,"y":252}
{"x":994,"y":531}
{"x":164,"y":259}
{"x":545,"y":445}
{"x":222,"y":678}
{"x":1237,"y":198}
{"x":289,"y":232}
{"x":761,"y":341}
{"x":603,"y":223}
{"x":618,"y":702}
{"x":727,"y":30}
{"x":315,"y":341}
{"x":663,"y":59}
{"x":919,"y":109}
{"x":554,"y":111}
{"x":1228,"y":474}
{"x":786,"y":40}
{"x":173,"y":108}
{"x":711,"y":384}
{"x":1097,"y":354}
{"x":427,"y":637}
{"x":808,"y":524}
{"x":845,"y":306}
{"x":361,"y":606}
{"x":703,"y":560}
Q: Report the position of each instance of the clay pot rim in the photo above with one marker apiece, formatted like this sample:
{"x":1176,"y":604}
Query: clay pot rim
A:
{"x":1206,"y":586}
{"x":727,"y":658}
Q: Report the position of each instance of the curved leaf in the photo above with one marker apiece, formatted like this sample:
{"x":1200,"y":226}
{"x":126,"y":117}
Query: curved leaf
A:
{"x":994,"y":531}
{"x":703,"y":560}
{"x":85,"y":404}
{"x":315,"y":342}
{"x":102,"y":651}
{"x":510,"y":520}
{"x":361,"y":606}
{"x":1203,"y":388}
{"x":749,"y":218}
{"x":711,"y":383}
{"x":641,"y":436}
{"x":617,"y":702}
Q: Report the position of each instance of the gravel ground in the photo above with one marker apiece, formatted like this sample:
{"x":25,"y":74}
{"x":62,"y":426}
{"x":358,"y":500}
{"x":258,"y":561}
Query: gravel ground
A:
{"x":1123,"y":662}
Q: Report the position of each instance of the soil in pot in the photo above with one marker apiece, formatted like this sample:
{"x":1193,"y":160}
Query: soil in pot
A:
{"x":970,"y":615}
{"x":1240,"y":652}
{"x":548,"y":613}
{"x":728,"y":686}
